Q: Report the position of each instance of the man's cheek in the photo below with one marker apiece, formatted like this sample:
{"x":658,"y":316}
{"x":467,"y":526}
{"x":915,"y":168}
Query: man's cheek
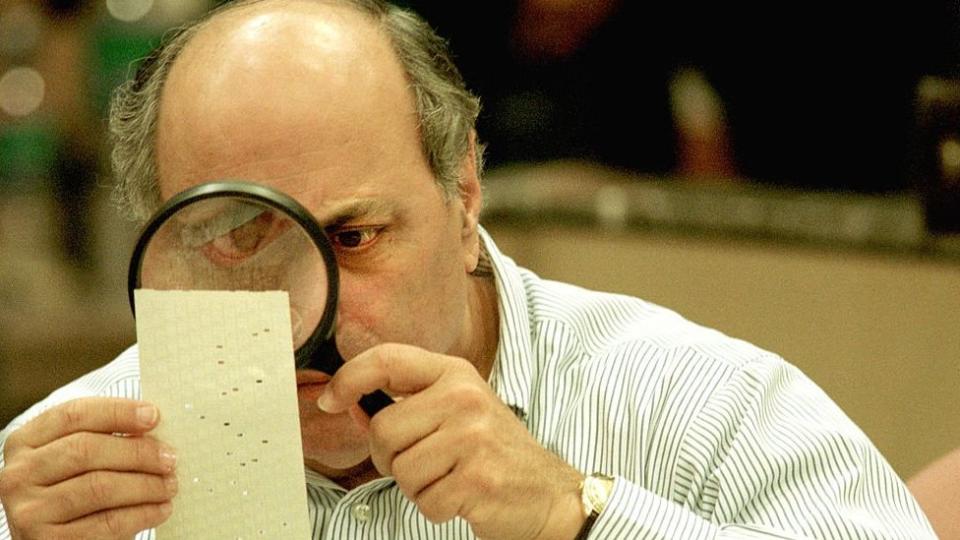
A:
{"x":357,"y":331}
{"x":375,"y":312}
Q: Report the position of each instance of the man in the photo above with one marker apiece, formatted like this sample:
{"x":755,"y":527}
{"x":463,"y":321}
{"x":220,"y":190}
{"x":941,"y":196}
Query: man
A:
{"x":519,"y":393}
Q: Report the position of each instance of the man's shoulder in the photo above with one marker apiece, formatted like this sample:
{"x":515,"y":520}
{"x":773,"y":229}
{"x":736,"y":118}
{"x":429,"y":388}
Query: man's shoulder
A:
{"x":603,"y":323}
{"x":119,"y":378}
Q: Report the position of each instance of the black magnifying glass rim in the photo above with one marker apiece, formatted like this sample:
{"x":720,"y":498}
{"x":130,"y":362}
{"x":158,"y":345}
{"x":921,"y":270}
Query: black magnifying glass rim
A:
{"x":268,"y":197}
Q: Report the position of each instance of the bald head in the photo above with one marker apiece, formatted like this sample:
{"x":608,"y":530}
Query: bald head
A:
{"x":253,"y":60}
{"x":301,"y":38}
{"x":275,"y":80}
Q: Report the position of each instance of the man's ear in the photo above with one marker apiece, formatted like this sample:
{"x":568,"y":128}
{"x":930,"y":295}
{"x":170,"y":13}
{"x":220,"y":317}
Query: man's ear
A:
{"x":471,"y":197}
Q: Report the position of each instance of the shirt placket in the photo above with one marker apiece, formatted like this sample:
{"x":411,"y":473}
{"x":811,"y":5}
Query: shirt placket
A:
{"x":360,"y":513}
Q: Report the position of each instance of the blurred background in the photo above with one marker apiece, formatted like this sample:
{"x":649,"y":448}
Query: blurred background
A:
{"x":788,"y":174}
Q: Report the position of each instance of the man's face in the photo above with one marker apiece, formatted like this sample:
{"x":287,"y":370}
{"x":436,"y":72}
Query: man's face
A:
{"x":310,"y":100}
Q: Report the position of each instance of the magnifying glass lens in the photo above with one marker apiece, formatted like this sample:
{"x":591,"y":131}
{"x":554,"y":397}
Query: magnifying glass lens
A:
{"x":239,"y":244}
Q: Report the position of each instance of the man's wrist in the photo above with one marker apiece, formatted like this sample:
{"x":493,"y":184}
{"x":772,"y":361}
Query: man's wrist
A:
{"x":566,"y":516}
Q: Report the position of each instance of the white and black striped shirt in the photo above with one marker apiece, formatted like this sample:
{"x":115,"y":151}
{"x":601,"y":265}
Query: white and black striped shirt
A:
{"x":707,"y":436}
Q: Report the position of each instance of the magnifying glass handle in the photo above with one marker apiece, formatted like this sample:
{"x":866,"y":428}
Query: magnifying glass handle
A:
{"x":328,"y":360}
{"x":372,"y":403}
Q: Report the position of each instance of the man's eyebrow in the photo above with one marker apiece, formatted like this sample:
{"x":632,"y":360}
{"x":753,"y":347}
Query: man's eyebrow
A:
{"x":342,"y":213}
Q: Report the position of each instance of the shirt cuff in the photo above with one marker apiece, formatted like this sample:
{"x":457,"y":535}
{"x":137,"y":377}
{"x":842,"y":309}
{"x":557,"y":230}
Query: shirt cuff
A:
{"x":634,"y":512}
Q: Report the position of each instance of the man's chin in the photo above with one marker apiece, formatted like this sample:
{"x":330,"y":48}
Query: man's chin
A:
{"x":330,"y":441}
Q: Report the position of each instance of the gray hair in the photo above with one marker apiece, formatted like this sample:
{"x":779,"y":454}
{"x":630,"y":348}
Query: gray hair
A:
{"x":446,"y":110}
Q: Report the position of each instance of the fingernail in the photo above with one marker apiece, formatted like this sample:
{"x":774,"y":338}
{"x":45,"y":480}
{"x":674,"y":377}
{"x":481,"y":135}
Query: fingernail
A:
{"x":172,"y":484}
{"x":325,"y":400}
{"x":166,"y":509}
{"x":147,"y":414}
{"x":167,"y":458}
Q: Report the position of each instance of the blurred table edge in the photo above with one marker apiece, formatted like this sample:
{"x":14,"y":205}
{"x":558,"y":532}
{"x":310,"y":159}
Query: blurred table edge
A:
{"x":576,"y":192}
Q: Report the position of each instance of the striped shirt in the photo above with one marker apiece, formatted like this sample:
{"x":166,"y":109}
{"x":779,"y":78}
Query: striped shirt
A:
{"x":706,"y":436}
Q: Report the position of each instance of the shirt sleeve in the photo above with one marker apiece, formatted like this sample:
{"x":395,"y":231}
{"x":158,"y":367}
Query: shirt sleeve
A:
{"x":769,"y":455}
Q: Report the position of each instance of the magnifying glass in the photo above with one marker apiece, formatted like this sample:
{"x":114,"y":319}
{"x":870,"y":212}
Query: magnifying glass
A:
{"x":240,"y":236}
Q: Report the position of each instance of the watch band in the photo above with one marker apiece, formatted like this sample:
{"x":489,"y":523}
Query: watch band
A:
{"x":587,"y":525}
{"x":595,"y":490}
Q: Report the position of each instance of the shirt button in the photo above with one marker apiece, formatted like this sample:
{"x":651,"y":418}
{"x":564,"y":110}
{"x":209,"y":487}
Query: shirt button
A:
{"x":361,"y":512}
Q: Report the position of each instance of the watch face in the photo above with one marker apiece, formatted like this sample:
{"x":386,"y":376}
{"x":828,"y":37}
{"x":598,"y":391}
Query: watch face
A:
{"x":596,"y":492}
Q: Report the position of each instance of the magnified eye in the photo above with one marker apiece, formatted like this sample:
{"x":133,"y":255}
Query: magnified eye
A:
{"x":244,"y":241}
{"x":354,"y":238}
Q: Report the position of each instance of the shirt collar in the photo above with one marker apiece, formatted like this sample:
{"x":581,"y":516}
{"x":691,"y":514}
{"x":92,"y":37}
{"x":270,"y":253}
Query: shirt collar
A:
{"x":512,"y":371}
{"x":318,"y":480}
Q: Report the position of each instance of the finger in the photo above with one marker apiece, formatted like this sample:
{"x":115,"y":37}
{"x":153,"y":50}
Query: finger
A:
{"x":360,"y":417}
{"x":100,"y":415}
{"x":117,"y":522}
{"x":442,"y":500}
{"x":400,"y":426}
{"x":100,"y":491}
{"x":394,"y":368}
{"x":424,"y":464}
{"x":78,"y":453}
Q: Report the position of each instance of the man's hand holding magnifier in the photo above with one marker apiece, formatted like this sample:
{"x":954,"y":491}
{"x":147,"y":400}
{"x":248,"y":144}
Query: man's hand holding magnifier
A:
{"x":455,"y":448}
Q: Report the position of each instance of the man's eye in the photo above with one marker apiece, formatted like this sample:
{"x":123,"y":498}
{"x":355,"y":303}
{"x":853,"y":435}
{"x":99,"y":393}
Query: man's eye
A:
{"x":243,"y":242}
{"x":354,"y":238}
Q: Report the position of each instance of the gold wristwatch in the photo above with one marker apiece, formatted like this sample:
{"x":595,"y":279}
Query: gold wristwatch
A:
{"x":595,"y":490}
